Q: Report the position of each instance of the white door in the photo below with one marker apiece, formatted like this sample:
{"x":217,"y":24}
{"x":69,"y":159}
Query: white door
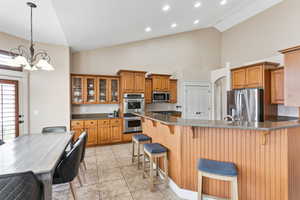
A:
{"x":197,"y":101}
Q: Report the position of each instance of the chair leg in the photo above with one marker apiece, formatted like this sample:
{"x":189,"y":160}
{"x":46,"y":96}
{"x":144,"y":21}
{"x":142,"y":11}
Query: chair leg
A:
{"x":138,"y":155}
{"x":144,"y":165}
{"x":132,"y":159}
{"x":79,"y":180}
{"x":73,"y":190}
{"x":84,"y":164}
{"x":199,"y":185}
{"x":151,"y":175}
{"x":81,"y":167}
{"x":234,"y":189}
{"x":166,"y":170}
{"x":157,"y":166}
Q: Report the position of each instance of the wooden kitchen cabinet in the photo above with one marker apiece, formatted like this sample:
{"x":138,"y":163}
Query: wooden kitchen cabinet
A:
{"x":148,"y":91}
{"x":90,"y":127}
{"x":78,"y":127}
{"x":116,"y":130}
{"x":238,"y":78}
{"x":292,"y":76}
{"x":254,"y":77}
{"x":173,"y":91}
{"x":95,"y":89}
{"x":132,"y":81}
{"x":277,"y":86}
{"x":160,"y":82}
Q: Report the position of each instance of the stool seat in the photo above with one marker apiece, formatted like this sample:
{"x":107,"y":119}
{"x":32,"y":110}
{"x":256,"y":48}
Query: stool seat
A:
{"x":155,"y":148}
{"x":217,"y":167}
{"x":141,"y":137}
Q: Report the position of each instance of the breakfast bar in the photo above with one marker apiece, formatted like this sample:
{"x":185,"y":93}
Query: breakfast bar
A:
{"x":265,"y":153}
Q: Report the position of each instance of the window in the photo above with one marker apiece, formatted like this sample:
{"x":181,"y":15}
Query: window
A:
{"x":5,"y":60}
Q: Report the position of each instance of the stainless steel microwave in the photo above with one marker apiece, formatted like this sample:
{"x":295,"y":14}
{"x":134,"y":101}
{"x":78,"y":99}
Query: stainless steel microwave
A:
{"x":161,"y":97}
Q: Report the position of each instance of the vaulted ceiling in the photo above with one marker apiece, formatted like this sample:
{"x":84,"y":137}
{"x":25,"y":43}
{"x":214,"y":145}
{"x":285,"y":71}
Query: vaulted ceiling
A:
{"x":89,"y":24}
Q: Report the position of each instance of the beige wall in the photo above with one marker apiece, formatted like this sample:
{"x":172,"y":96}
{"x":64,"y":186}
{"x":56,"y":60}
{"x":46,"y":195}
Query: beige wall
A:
{"x":188,"y":56}
{"x":263,"y":35}
{"x":48,"y":91}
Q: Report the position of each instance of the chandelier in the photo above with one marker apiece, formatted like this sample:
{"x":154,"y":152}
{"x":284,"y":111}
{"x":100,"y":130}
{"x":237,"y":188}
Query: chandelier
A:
{"x":30,"y":59}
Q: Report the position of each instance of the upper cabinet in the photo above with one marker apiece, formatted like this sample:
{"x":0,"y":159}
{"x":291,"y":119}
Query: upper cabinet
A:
{"x":173,"y":91}
{"x":160,"y":82}
{"x":148,"y":90}
{"x":92,"y":89}
{"x":132,"y":81}
{"x":292,"y":76}
{"x":77,"y":89}
{"x":277,"y":86}
{"x":252,"y":76}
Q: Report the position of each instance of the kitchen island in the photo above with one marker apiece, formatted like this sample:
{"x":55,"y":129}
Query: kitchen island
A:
{"x":266,"y":154}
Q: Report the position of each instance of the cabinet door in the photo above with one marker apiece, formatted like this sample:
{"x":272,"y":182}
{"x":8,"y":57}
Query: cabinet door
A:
{"x":116,"y":132}
{"x":77,"y":90}
{"x":165,"y":84}
{"x":254,"y":76}
{"x":103,"y":90}
{"x":277,"y":86}
{"x":104,"y":133}
{"x":78,"y":127}
{"x":139,"y":82}
{"x":90,"y":127}
{"x":157,"y":83}
{"x":90,"y":90}
{"x":148,"y":91}
{"x":128,"y":82}
{"x":238,"y":78}
{"x":173,"y":91}
{"x":114,"y":91}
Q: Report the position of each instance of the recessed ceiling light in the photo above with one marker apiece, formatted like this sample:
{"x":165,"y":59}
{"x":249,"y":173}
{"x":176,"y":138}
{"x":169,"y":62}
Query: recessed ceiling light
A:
{"x":148,"y":29}
{"x":223,"y":2}
{"x":196,"y":21}
{"x":197,"y":4}
{"x":174,"y":25}
{"x":166,"y":8}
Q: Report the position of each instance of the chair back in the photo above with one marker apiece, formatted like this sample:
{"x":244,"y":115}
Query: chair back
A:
{"x":83,"y":136}
{"x":68,"y":167}
{"x":54,"y":129}
{"x":20,"y":186}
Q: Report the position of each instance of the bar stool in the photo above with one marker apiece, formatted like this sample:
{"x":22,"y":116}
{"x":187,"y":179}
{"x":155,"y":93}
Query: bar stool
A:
{"x":155,"y":151}
{"x":139,"y":139}
{"x":225,"y":171}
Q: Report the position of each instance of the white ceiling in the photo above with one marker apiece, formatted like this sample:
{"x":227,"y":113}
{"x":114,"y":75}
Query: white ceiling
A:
{"x":89,"y":24}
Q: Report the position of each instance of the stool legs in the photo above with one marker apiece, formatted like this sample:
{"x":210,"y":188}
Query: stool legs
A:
{"x":138,"y":155}
{"x":132,"y":159}
{"x":234,"y":189}
{"x":166,"y":170}
{"x":199,"y":185}
{"x":151,"y":175}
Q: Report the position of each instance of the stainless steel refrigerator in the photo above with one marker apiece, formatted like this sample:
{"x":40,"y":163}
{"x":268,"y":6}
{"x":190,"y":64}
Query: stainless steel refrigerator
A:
{"x":246,"y":104}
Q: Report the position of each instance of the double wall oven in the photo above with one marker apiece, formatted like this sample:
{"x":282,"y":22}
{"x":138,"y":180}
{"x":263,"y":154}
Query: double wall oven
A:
{"x":133,"y":103}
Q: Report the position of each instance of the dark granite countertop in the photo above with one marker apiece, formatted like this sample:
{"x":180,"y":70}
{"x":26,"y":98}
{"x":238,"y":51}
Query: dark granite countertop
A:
{"x":263,"y":126}
{"x":93,"y":116}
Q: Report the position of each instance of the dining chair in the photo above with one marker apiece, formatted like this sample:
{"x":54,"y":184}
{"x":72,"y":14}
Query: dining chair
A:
{"x":68,"y":167}
{"x":84,"y":137}
{"x":54,"y":129}
{"x":20,"y":186}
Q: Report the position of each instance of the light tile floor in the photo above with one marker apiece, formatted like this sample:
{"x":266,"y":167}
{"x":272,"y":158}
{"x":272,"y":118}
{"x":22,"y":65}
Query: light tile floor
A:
{"x":110,"y":175}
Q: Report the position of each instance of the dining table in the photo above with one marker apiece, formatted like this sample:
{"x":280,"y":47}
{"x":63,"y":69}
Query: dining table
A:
{"x":39,"y":153}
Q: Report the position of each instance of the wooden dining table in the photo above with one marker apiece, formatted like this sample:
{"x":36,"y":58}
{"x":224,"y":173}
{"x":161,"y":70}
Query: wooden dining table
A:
{"x":39,"y":153}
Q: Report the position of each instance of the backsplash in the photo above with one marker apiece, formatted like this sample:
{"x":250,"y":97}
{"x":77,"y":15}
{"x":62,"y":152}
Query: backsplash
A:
{"x":94,"y":108}
{"x":160,"y":107}
{"x":288,"y":111}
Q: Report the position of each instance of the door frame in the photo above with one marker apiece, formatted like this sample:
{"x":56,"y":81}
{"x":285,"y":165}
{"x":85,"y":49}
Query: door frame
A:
{"x":195,"y":83}
{"x":23,"y":90}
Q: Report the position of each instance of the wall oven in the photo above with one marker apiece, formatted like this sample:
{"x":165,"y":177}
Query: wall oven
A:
{"x":132,"y":124}
{"x":161,"y":97}
{"x":134,"y":103}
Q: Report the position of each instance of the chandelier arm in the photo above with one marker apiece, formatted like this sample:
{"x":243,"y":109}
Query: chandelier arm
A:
{"x":41,"y":53}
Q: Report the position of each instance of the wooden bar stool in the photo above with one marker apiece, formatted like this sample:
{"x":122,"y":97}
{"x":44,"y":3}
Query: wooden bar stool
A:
{"x":224,"y":171}
{"x":155,"y":151}
{"x":139,"y":139}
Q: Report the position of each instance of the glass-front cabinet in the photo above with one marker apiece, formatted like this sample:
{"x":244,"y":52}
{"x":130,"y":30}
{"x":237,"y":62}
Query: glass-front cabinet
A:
{"x":114,"y":90}
{"x":77,"y":90}
{"x":91,"y":91}
{"x":103,"y":90}
{"x":95,"y":89}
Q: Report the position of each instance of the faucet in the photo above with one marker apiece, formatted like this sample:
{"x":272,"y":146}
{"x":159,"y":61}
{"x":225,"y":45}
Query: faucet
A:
{"x":229,"y":117}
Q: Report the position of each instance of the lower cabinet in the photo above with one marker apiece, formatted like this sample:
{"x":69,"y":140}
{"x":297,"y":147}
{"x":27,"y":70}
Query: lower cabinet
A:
{"x":104,"y":131}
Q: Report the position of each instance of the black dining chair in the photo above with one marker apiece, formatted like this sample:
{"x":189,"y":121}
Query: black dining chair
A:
{"x":68,"y":167}
{"x":83,"y":136}
{"x":20,"y":186}
{"x":54,"y":129}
